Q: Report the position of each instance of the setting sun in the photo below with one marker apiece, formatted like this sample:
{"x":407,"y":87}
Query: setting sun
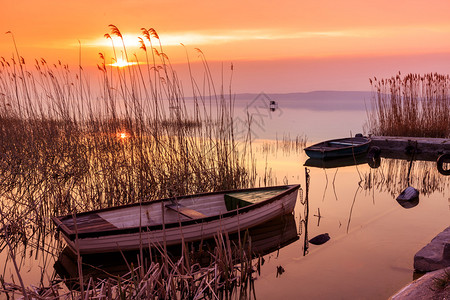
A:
{"x":121,"y":63}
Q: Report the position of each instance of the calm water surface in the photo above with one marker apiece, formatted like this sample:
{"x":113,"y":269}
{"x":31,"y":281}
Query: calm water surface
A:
{"x":373,"y":238}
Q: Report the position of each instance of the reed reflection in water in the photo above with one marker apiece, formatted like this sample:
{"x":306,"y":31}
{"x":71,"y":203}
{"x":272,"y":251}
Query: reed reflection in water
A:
{"x":392,"y":177}
{"x":373,"y":238}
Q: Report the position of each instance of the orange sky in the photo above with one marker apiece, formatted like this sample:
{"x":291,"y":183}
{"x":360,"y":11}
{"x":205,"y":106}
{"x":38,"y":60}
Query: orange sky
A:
{"x":283,"y":46}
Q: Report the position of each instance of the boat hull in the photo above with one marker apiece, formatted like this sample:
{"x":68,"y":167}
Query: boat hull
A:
{"x":338,"y":148}
{"x":189,"y":231}
{"x":337,"y":162}
{"x":262,"y":239}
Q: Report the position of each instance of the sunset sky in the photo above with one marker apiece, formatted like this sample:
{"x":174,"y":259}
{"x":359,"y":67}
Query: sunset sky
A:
{"x":284,"y":46}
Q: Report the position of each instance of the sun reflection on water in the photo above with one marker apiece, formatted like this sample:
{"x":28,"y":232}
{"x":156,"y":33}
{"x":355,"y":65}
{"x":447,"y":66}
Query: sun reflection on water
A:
{"x":123,"y":135}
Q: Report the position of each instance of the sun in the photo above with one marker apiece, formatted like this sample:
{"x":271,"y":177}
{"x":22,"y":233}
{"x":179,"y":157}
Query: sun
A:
{"x":121,"y":63}
{"x":123,"y":135}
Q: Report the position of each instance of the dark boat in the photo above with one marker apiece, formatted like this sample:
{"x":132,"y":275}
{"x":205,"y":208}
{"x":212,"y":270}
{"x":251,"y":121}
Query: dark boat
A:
{"x":339,"y":148}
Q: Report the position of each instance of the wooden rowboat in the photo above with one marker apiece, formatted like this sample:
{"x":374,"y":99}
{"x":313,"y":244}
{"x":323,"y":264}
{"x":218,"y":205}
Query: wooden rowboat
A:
{"x":339,"y":148}
{"x":171,"y":221}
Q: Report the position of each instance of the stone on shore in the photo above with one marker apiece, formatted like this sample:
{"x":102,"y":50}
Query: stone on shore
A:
{"x":425,"y":288}
{"x":435,"y":255}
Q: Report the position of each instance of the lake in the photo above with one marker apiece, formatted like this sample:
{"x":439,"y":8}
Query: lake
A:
{"x":373,"y":238}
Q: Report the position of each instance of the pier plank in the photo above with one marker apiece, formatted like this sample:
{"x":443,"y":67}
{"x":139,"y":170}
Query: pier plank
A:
{"x":433,"y":147}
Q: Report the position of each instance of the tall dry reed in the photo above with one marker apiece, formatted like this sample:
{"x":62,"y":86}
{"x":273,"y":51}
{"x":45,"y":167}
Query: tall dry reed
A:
{"x":66,"y":146}
{"x":137,"y":140}
{"x":412,"y":105}
{"x":229,"y":275}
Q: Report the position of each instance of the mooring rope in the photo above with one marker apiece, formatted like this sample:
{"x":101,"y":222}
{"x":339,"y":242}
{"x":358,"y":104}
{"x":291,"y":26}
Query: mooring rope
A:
{"x":304,"y":222}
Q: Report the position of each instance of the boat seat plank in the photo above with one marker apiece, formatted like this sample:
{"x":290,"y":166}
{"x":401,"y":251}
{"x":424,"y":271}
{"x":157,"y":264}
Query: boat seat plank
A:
{"x":242,"y":199}
{"x":258,"y":196}
{"x":89,"y":223}
{"x":344,"y":143}
{"x":186,"y":211}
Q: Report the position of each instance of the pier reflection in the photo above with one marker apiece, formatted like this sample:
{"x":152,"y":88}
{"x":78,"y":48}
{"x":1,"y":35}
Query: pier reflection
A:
{"x":388,"y":172}
{"x":391,"y":176}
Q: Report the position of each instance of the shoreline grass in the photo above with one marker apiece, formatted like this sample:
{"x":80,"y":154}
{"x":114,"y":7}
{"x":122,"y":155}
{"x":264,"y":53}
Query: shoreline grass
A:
{"x":412,"y":105}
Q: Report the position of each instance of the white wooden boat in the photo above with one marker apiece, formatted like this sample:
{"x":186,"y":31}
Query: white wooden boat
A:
{"x":171,"y":221}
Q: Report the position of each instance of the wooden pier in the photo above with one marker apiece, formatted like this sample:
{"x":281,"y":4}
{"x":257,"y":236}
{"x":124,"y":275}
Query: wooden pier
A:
{"x":404,"y":147}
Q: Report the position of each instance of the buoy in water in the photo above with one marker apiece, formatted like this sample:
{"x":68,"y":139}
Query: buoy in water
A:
{"x":273,"y":105}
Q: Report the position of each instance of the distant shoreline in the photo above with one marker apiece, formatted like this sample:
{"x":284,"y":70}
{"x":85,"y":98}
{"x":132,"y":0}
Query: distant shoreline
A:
{"x":315,"y":100}
{"x":314,"y":95}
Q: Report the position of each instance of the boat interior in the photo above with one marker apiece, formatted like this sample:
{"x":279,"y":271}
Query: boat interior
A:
{"x":170,"y":211}
{"x":334,"y":144}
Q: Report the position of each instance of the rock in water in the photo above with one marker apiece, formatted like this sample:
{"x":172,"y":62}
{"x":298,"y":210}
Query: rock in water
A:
{"x":320,"y":239}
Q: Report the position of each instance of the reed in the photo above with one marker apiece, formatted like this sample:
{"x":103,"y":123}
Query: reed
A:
{"x":287,"y":145}
{"x":136,"y":140}
{"x":68,"y":147}
{"x":229,"y":275}
{"x":412,"y":105}
{"x":391,"y":177}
